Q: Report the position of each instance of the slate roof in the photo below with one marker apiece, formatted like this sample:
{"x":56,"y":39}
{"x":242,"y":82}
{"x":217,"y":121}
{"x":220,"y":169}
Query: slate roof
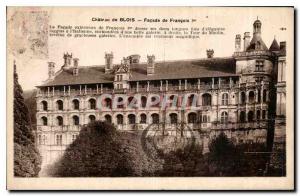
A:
{"x":256,"y":40}
{"x":182,"y":69}
{"x":274,"y":46}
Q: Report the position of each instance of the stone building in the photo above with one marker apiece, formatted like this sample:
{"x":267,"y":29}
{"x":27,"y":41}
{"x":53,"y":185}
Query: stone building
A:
{"x":210,"y":95}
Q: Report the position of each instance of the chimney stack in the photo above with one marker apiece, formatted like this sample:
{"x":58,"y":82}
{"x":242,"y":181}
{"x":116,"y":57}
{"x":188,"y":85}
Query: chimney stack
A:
{"x":76,"y":64}
{"x":108,"y":61}
{"x":51,"y":73}
{"x":238,"y":43}
{"x":282,"y":45}
{"x":210,"y":53}
{"x":246,"y":40}
{"x":151,"y":64}
{"x":67,"y":60}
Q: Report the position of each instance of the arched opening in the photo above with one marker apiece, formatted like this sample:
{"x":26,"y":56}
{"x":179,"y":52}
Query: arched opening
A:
{"x":44,"y":105}
{"x":132,"y":102}
{"x":250,"y":116}
{"x":242,"y":116}
{"x":92,"y":118}
{"x":224,"y":117}
{"x":171,"y":101}
{"x":264,"y":95}
{"x":225,"y":99}
{"x":258,"y":115}
{"x":120,"y":119}
{"x":44,"y":121}
{"x":120,"y":102}
{"x":206,"y":99}
{"x":75,"y":120}
{"x":192,"y":117}
{"x":192,"y":100}
{"x":251,"y":97}
{"x":143,"y":101}
{"x":60,"y":121}
{"x":143,"y":119}
{"x":107,"y":103}
{"x":243,"y":97}
{"x":60,"y":105}
{"x":155,"y":118}
{"x":108,"y":118}
{"x":173,"y":118}
{"x":92,"y":104}
{"x":75,"y":104}
{"x":131,"y":119}
{"x":155,"y":100}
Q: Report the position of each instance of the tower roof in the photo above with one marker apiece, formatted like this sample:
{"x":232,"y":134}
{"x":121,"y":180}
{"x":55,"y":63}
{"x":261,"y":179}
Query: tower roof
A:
{"x":274,"y":46}
{"x":257,"y":44}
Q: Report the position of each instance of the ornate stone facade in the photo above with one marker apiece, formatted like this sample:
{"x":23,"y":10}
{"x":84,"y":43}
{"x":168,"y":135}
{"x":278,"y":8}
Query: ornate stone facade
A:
{"x":210,"y":95}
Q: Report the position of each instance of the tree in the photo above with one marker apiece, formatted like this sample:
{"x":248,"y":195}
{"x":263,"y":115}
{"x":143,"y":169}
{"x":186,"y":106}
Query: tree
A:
{"x":101,"y":151}
{"x":27,"y":160}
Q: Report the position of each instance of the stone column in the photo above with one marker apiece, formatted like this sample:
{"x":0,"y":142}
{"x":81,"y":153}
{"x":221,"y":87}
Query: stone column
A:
{"x":179,"y":84}
{"x":148,"y":86}
{"x":166,"y":85}
{"x":199,"y":83}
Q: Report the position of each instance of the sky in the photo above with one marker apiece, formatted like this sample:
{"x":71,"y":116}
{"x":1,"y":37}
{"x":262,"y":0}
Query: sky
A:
{"x":33,"y":69}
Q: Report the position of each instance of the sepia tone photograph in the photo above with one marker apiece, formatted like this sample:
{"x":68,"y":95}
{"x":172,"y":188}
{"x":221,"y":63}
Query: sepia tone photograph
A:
{"x":118,"y":96}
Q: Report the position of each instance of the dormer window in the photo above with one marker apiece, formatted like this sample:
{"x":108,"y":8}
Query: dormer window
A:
{"x":259,"y":66}
{"x":119,"y":77}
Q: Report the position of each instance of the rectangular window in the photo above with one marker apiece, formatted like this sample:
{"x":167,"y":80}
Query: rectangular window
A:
{"x":259,"y":66}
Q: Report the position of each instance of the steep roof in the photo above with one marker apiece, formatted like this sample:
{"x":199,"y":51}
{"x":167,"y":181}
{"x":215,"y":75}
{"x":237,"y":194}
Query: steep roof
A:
{"x":255,"y":42}
{"x":274,"y":46}
{"x":198,"y":68}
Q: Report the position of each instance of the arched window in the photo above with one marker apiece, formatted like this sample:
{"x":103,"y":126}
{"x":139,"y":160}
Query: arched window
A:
{"x":131,"y":102}
{"x":225,"y":99}
{"x":58,"y":139}
{"x":107,"y":103}
{"x":60,"y":121}
{"x":120,"y":103}
{"x":250,"y":116}
{"x":192,"y":100}
{"x":243,"y":97}
{"x":92,"y":118}
{"x":143,"y":101}
{"x":172,"y":101}
{"x":192,"y":117}
{"x":258,"y":115}
{"x":173,"y":118}
{"x":75,"y":120}
{"x":264,"y":95}
{"x":143,"y":119}
{"x":119,"y":119}
{"x":155,"y":100}
{"x":75,"y":104}
{"x":224,"y":117}
{"x":155,"y":118}
{"x":131,"y":119}
{"x":206,"y":99}
{"x":44,"y":121}
{"x":44,"y":105}
{"x":92,"y":104}
{"x":251,"y":97}
{"x":59,"y":105}
{"x":107,"y":118}
{"x":242,"y":116}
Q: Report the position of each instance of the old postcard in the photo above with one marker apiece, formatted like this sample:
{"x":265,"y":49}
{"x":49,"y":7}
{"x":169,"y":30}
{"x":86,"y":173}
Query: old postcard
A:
{"x":150,"y":98}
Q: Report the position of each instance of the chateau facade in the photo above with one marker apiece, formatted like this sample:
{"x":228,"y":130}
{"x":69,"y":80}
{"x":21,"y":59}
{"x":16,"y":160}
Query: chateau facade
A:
{"x":241,"y":95}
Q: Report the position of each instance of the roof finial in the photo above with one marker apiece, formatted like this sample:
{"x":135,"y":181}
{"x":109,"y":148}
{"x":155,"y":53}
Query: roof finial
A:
{"x":256,"y":17}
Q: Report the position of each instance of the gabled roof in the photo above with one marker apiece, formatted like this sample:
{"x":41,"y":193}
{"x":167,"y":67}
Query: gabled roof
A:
{"x":181,"y":69}
{"x":274,"y":46}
